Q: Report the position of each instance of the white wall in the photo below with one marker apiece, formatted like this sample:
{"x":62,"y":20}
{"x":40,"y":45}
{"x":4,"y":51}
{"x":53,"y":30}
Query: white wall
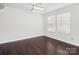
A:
{"x":74,"y":10}
{"x":18,"y":24}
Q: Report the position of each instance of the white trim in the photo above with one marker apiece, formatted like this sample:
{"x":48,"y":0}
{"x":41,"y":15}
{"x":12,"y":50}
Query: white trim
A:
{"x":27,"y":37}
{"x":73,"y":42}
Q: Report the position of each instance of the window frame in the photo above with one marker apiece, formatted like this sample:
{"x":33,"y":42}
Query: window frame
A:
{"x":62,"y":15}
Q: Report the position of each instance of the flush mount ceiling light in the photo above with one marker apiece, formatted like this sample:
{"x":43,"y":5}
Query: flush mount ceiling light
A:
{"x":38,"y":7}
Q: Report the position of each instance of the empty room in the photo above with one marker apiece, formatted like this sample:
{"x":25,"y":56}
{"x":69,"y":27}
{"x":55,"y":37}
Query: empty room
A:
{"x":39,"y":29}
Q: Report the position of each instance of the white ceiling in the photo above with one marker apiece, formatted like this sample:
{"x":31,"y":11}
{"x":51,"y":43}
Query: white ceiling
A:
{"x":49,"y":6}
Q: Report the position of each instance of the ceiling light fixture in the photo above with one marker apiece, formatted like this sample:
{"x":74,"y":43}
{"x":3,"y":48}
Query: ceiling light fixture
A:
{"x":38,"y":8}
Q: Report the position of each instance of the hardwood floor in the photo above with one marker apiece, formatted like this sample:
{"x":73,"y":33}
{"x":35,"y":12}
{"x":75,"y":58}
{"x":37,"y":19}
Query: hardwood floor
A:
{"x":38,"y":46}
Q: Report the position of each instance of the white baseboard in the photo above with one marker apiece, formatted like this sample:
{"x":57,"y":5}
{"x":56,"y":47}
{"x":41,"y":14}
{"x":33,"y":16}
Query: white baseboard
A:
{"x":26,"y":37}
{"x":73,"y":42}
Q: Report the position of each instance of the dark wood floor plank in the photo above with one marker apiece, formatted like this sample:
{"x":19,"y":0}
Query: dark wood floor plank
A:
{"x":38,"y":46}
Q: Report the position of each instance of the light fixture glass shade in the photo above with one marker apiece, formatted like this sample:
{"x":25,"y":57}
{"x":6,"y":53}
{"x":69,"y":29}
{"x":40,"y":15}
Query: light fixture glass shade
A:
{"x":38,"y":9}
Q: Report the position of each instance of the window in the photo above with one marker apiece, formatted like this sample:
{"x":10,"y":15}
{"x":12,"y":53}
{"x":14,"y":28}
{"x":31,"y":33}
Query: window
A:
{"x":52,"y":23}
{"x":59,"y":23}
{"x":63,"y":23}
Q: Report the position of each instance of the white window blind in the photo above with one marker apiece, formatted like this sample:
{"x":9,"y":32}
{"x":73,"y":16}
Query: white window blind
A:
{"x":52,"y":23}
{"x":59,"y":23}
{"x":63,"y":23}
